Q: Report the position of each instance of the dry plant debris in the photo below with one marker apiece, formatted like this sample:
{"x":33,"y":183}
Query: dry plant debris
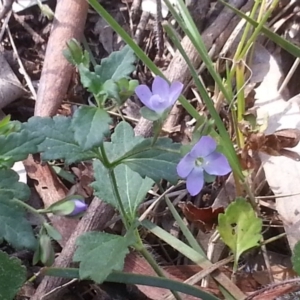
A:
{"x":41,"y":82}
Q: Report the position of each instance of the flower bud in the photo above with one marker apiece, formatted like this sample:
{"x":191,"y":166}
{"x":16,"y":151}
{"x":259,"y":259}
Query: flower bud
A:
{"x":70,"y":206}
{"x":79,"y":207}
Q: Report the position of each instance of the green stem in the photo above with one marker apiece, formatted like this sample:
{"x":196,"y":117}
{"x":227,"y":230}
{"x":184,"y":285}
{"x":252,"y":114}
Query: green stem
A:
{"x":250,"y":195}
{"x":30,"y":209}
{"x":149,"y":258}
{"x":113,"y":182}
{"x":258,"y":29}
{"x":104,"y":159}
{"x":240,"y":81}
{"x":244,"y":38}
{"x":157,"y":125}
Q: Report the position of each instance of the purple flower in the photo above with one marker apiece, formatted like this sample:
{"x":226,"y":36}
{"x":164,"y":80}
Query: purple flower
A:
{"x":202,"y":157}
{"x":163,"y":95}
{"x":79,"y":207}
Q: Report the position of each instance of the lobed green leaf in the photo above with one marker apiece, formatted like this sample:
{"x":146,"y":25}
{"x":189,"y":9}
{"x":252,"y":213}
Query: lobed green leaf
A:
{"x":117,"y":65}
{"x":132,"y":187}
{"x":156,"y":162}
{"x":101,"y":253}
{"x":122,"y":141}
{"x":18,"y":145}
{"x":12,"y":276}
{"x":16,"y":229}
{"x":59,"y":141}
{"x":90,"y":125}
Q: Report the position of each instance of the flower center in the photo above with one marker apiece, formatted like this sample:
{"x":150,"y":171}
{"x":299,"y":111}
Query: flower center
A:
{"x":158,"y":98}
{"x":199,"y":161}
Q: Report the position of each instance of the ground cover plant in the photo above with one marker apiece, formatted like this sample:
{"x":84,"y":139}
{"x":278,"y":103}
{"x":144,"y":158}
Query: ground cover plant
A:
{"x":110,"y":192}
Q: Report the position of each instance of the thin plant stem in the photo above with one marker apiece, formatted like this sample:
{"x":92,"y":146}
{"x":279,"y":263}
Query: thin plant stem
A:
{"x":113,"y":181}
{"x":30,"y":209}
{"x":245,"y":33}
{"x":240,"y":81}
{"x":250,"y":195}
{"x":157,"y":126}
{"x":149,"y":258}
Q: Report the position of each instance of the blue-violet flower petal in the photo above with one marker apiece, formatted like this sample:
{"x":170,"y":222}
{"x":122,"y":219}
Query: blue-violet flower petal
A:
{"x":79,"y":207}
{"x":202,"y":157}
{"x":162,"y":96}
{"x":195,"y":181}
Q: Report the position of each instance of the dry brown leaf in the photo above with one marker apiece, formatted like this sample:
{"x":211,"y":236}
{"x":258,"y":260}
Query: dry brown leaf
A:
{"x":280,"y":273}
{"x":50,"y":189}
{"x":281,"y":173}
{"x":204,"y":218}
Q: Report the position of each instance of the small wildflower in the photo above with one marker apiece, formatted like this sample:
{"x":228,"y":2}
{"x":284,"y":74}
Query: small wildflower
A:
{"x":162,"y":96}
{"x":202,"y":157}
{"x":79,"y":207}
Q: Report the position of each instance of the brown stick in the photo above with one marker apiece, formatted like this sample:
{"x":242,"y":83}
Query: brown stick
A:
{"x":69,"y":20}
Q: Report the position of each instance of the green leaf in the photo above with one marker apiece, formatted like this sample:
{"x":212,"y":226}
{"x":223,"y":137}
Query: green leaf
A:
{"x":277,"y":39}
{"x":17,"y":145}
{"x":90,"y":80}
{"x":45,"y":252}
{"x":66,"y":175}
{"x":59,"y":141}
{"x":156,"y":162}
{"x":239,"y":227}
{"x":12,"y":276}
{"x":75,"y":55}
{"x":90,"y":125}
{"x":111,"y":90}
{"x":118,"y":65}
{"x":126,"y":88}
{"x":9,"y":185}
{"x":296,"y":258}
{"x":122,"y":141}
{"x":15,"y":228}
{"x":149,"y":114}
{"x":101,"y":253}
{"x":52,"y":232}
{"x":132,"y":187}
{"x":7,"y":126}
{"x":130,"y":278}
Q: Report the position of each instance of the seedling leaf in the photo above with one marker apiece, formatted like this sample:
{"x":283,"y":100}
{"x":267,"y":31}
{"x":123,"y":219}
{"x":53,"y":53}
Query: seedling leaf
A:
{"x":239,"y":227}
